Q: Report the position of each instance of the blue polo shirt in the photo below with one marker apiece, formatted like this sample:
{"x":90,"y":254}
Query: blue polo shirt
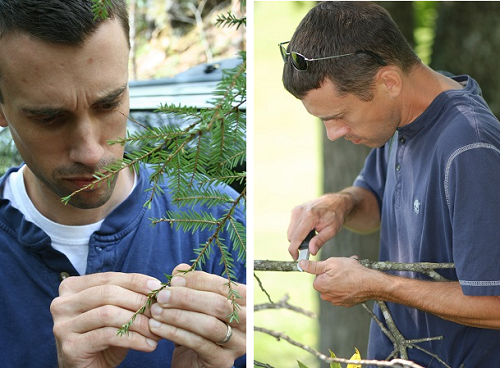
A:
{"x":437,"y":182}
{"x":126,"y":242}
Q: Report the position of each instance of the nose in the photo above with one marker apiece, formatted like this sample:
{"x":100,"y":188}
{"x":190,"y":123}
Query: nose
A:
{"x":335,"y":129}
{"x":86,"y":146}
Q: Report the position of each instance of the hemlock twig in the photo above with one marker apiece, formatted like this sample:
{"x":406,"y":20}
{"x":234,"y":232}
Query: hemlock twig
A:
{"x":151,"y":299}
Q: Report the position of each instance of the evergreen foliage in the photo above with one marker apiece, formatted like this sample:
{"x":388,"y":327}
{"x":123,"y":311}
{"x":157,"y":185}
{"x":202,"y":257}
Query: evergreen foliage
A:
{"x":202,"y":158}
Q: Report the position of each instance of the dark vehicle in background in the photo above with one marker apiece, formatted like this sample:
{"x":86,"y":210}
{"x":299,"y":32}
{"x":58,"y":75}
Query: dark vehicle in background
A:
{"x":194,"y":87}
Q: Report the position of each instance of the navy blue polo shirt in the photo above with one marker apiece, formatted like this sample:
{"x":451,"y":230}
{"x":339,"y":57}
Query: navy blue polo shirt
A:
{"x":126,"y":242}
{"x":437,"y":182}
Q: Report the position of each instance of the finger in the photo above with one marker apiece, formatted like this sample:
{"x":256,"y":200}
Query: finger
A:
{"x":105,"y":316}
{"x":295,"y":219}
{"x":313,"y":267}
{"x":73,"y":304}
{"x":181,"y":269}
{"x":206,"y":348}
{"x":101,"y":339}
{"x":298,"y":236}
{"x":323,"y":235}
{"x":197,"y":301}
{"x":131,"y":281}
{"x":201,"y":324}
{"x":203,"y":281}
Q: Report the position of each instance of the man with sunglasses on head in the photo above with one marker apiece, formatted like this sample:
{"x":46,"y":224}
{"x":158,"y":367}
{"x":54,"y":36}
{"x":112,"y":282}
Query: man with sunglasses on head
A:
{"x":71,"y":275}
{"x":430,"y":183}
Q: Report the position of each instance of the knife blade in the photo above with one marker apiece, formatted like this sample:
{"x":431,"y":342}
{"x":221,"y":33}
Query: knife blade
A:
{"x":304,"y":248}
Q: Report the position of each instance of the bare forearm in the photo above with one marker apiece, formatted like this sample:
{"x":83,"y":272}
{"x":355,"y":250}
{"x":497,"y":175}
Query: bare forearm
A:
{"x":443,"y":299}
{"x":363,"y":213}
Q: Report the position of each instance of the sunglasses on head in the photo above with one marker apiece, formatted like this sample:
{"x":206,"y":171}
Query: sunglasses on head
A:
{"x":301,"y":63}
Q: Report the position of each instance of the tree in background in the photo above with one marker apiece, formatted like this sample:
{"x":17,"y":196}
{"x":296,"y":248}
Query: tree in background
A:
{"x":467,"y":42}
{"x":171,"y":36}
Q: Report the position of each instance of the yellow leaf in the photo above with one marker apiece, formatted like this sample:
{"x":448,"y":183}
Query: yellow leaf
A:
{"x":334,"y":364}
{"x":356,"y":356}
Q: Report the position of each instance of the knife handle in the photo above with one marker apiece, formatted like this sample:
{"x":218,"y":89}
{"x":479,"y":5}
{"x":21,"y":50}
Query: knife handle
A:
{"x":305,"y":242}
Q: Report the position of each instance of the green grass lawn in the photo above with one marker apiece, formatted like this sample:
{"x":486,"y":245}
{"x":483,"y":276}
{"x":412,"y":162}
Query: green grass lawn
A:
{"x":287,"y":150}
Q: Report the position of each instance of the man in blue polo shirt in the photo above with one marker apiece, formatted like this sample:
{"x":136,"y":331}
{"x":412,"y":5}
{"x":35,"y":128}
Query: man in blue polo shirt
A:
{"x":430,"y":183}
{"x":71,"y":275}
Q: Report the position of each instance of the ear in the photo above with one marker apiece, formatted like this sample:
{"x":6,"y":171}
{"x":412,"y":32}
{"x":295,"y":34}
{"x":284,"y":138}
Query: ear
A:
{"x":3,"y":119}
{"x":391,"y":78}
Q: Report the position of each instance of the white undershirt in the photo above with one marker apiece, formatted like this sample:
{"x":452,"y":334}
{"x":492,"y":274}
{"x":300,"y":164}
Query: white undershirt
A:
{"x":73,"y":241}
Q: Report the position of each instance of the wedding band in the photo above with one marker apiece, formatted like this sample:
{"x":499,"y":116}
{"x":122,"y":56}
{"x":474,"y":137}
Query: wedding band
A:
{"x":226,"y":338}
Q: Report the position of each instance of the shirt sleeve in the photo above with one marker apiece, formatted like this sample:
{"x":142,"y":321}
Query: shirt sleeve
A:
{"x":472,"y":190}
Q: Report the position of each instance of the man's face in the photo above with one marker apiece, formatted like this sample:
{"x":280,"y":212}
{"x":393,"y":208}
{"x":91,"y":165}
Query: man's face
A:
{"x":370,"y":123}
{"x":62,"y":104}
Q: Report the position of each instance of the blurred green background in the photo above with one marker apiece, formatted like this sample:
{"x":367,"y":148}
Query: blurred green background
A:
{"x":287,"y":159}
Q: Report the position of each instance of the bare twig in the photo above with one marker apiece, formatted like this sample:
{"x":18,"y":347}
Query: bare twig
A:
{"x":319,"y":355}
{"x":401,"y":344}
{"x":280,"y":266}
{"x":427,"y":268}
{"x":262,"y":288}
{"x":283,"y":304}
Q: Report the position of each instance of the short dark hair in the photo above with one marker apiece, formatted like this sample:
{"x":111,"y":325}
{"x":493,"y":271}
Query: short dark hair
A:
{"x":59,"y":21}
{"x":68,"y":22}
{"x":336,"y":28}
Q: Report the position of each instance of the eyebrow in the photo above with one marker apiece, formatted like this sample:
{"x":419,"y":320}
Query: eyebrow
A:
{"x":112,"y":96}
{"x":332,"y":117}
{"x":53,"y":111}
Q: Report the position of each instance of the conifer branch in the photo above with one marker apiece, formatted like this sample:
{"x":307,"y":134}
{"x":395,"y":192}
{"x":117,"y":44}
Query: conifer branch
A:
{"x":100,"y":9}
{"x":196,"y":158}
{"x":230,"y":19}
{"x":151,"y":299}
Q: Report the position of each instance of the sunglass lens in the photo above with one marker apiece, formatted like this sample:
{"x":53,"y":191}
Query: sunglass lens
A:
{"x":298,"y":61}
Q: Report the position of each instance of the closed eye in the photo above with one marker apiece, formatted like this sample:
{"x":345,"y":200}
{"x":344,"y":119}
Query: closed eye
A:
{"x":111,"y":101}
{"x":45,"y":116}
{"x":109,"y":106}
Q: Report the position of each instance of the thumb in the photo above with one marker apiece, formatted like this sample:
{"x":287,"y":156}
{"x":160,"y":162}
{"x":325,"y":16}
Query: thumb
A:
{"x":312,"y":267}
{"x":180,"y":268}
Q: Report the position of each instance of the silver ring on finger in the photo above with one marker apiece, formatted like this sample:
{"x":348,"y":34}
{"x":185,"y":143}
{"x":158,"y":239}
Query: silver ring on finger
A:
{"x":226,"y":338}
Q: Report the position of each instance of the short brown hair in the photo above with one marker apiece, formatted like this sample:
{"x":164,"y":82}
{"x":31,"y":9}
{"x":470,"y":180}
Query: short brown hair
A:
{"x":60,"y":21}
{"x":336,"y":28}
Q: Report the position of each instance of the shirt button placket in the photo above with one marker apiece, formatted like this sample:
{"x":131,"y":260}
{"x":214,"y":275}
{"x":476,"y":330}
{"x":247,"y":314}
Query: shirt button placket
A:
{"x":397,"y":167}
{"x":402,"y":140}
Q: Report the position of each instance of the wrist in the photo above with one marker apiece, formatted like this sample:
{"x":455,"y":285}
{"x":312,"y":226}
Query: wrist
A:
{"x":348,"y":203}
{"x":380,"y":286}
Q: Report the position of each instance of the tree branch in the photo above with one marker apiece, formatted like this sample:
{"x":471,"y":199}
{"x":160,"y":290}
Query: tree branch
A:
{"x":426,"y":268}
{"x":401,"y":344}
{"x":283,"y":304}
{"x":393,"y":363}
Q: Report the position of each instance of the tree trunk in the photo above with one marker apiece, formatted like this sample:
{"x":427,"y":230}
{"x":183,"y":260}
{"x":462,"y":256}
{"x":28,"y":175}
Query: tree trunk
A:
{"x":467,"y":41}
{"x":402,"y":13}
{"x":343,"y":329}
